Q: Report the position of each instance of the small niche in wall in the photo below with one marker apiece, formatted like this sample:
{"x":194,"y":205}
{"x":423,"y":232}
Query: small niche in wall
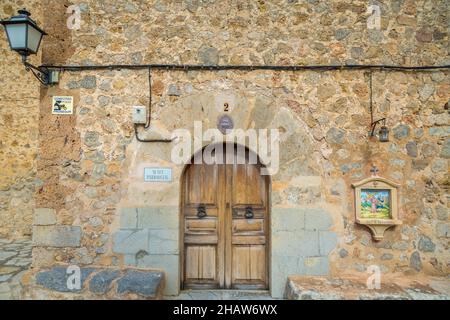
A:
{"x":376,"y":204}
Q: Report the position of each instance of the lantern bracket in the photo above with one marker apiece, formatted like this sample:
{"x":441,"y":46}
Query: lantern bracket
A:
{"x":374,"y":124}
{"x":40,"y":73}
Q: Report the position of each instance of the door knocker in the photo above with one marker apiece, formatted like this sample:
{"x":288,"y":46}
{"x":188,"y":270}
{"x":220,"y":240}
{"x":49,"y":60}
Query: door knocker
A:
{"x":201,"y":211}
{"x":248,"y":213}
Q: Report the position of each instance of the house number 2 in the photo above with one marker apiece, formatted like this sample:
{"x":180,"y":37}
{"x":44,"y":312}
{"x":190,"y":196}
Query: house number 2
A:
{"x":226,"y":107}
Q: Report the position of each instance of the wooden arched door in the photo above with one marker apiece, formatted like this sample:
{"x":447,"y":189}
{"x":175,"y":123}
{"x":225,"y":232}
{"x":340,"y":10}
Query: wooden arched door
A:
{"x":225,"y":225}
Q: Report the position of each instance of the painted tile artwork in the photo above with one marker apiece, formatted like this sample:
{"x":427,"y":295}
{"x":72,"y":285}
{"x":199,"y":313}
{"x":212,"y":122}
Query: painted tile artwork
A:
{"x":375,"y":204}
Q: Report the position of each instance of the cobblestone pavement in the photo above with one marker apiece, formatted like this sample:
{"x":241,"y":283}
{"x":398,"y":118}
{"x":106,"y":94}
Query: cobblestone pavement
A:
{"x":15,"y":259}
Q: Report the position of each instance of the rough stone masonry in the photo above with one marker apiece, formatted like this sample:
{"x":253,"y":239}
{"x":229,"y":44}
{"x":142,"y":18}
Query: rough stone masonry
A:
{"x":74,"y":183}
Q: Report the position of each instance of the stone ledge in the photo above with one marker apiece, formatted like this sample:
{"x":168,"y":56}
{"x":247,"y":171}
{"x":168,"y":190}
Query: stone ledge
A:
{"x":106,"y":283}
{"x":402,"y":288}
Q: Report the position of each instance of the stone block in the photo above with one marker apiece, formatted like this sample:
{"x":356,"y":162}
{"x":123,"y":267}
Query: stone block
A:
{"x":208,"y":55}
{"x":101,"y":282}
{"x":88,"y":82}
{"x":128,"y":218}
{"x":302,"y":289}
{"x":415,"y":261}
{"x":56,"y":279}
{"x":129,"y":259}
{"x":445,"y":152}
{"x":282,"y":267}
{"x":426,"y":244}
{"x":287,"y":219}
{"x":317,"y":219}
{"x":158,"y":217}
{"x":169,"y":264}
{"x":5,"y":255}
{"x":300,"y":243}
{"x":336,"y":135}
{"x":439,"y":131}
{"x":315,"y":266}
{"x":144,"y":283}
{"x":327,"y":242}
{"x":57,"y":236}
{"x":130,"y":241}
{"x":163,"y":241}
{"x":401,"y":131}
{"x":44,"y":217}
{"x":442,"y":230}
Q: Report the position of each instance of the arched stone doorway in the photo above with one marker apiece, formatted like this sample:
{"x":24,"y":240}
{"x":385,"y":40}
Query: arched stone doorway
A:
{"x":224,"y":227}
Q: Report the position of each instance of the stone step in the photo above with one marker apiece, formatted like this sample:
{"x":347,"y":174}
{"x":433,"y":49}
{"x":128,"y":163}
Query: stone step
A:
{"x":221,"y":295}
{"x":348,"y":288}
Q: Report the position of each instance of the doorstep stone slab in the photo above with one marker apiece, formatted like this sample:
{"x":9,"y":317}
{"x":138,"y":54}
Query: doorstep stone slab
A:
{"x":170,"y":265}
{"x":101,"y":282}
{"x":143,"y":283}
{"x":115,"y":283}
{"x":348,"y":288}
{"x":57,"y":277}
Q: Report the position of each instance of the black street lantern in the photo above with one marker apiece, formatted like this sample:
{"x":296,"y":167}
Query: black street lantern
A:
{"x":383,"y":134}
{"x":24,"y":37}
{"x":23,"y":34}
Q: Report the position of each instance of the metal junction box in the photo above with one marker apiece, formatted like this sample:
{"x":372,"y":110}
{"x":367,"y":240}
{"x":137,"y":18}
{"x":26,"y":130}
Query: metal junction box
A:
{"x":139,"y":115}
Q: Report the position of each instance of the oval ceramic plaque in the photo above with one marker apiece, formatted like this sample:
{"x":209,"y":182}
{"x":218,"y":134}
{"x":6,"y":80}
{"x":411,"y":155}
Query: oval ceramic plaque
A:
{"x":225,"y":124}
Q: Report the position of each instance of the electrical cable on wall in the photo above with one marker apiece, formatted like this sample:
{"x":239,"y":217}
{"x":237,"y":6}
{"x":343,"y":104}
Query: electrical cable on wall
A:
{"x":188,"y":67}
{"x":149,"y":117}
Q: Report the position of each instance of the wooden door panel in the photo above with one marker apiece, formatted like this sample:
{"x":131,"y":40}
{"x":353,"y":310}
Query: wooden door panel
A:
{"x":192,"y":209}
{"x":249,"y":247}
{"x":202,"y":184}
{"x":226,"y":248}
{"x":201,"y":239}
{"x":200,"y":264}
{"x":200,"y":226}
{"x":248,"y":240}
{"x":239,"y":212}
{"x":247,"y":185}
{"x":249,"y":265}
{"x":248,"y":226}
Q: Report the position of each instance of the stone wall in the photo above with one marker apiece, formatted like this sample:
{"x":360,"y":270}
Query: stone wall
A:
{"x":19,"y":115}
{"x":91,"y":164}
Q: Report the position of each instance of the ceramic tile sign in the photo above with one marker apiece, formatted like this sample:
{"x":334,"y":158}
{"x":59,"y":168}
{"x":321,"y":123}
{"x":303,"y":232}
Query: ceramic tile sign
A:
{"x":62,"y":105}
{"x":157,"y":174}
{"x":375,"y":204}
{"x":225,"y":124}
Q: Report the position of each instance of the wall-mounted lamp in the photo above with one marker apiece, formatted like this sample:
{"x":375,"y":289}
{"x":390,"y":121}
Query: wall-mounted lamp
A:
{"x":24,"y":37}
{"x":383,"y":133}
